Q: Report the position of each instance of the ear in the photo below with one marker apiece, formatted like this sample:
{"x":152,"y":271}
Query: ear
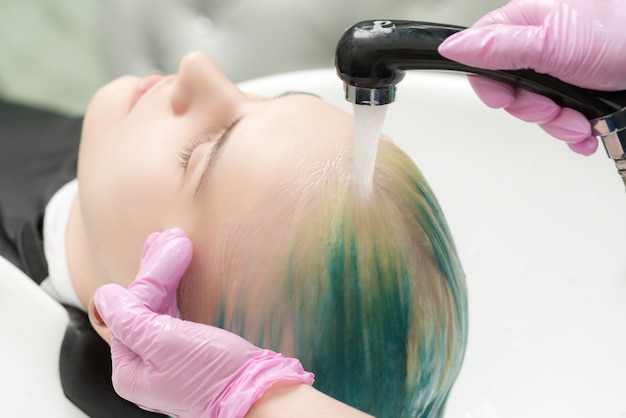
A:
{"x":96,"y":322}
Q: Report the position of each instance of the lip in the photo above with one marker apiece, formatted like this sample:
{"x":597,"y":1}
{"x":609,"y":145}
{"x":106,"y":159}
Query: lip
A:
{"x":143,"y":86}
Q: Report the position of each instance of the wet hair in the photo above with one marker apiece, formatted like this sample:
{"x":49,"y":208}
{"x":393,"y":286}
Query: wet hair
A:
{"x":365,"y":290}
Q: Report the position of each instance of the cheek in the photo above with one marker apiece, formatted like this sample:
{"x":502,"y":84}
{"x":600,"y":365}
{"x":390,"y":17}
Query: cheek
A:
{"x":110,"y":103}
{"x":126,"y":192}
{"x":129,"y":177}
{"x":201,"y":288}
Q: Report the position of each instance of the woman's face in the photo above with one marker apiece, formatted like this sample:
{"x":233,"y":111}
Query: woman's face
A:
{"x":193,"y":151}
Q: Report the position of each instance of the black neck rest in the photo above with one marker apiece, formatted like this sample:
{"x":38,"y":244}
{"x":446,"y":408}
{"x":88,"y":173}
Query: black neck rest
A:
{"x":85,"y":368}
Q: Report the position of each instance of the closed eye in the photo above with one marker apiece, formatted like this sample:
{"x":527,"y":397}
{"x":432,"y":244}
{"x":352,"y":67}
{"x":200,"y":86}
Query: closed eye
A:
{"x":185,"y":154}
{"x":293,"y":93}
{"x":215,"y":151}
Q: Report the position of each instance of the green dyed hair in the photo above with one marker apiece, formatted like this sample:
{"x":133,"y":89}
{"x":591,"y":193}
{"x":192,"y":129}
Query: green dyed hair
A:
{"x":367,"y":292}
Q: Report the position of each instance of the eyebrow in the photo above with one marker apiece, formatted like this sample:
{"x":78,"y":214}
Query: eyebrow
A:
{"x":209,"y":162}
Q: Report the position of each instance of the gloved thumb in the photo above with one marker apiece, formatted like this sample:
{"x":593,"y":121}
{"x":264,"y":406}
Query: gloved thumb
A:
{"x":128,"y":319}
{"x":490,"y":47}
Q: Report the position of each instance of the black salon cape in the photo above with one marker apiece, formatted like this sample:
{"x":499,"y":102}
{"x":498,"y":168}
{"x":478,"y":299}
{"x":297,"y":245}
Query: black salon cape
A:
{"x":38,"y":154}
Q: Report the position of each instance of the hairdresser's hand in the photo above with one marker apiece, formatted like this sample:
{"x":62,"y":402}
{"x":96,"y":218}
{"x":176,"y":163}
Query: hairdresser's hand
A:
{"x":581,"y":42}
{"x":177,"y":367}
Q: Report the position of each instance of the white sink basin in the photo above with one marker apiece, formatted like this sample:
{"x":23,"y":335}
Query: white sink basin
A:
{"x":537,"y":227}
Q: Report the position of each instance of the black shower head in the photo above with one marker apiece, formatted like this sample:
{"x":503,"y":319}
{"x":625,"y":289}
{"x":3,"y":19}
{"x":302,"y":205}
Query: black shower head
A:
{"x":372,"y":56}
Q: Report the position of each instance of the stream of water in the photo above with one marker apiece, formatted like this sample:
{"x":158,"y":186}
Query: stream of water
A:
{"x":368,"y":124}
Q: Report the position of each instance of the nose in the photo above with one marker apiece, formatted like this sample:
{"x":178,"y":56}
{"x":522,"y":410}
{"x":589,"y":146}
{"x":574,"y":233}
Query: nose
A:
{"x":200,"y":84}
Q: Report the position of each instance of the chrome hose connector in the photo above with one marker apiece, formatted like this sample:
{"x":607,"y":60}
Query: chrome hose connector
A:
{"x":370,"y":97}
{"x":611,"y":130}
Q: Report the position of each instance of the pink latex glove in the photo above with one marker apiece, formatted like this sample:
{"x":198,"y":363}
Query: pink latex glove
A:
{"x":581,"y":42}
{"x":177,"y":367}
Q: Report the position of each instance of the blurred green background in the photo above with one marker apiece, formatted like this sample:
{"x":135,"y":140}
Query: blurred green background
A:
{"x":56,"y":53}
{"x":49,"y":53}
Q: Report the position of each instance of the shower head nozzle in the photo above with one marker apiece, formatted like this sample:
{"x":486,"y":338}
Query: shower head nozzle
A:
{"x":371,"y":56}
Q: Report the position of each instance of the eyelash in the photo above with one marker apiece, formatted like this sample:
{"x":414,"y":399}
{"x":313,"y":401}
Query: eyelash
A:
{"x":185,"y":154}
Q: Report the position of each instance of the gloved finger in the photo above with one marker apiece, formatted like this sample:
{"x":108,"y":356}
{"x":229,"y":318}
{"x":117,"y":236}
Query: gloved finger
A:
{"x":493,"y":93}
{"x":569,"y":126}
{"x":565,"y":124}
{"x":130,"y":321}
{"x":532,"y":107}
{"x":519,"y":102}
{"x":490,"y":47}
{"x":161,"y":270}
{"x":585,"y":147}
{"x":156,"y":239}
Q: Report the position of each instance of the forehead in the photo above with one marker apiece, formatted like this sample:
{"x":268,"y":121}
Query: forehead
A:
{"x":290,"y":134}
{"x":303,"y":116}
{"x":279,"y":148}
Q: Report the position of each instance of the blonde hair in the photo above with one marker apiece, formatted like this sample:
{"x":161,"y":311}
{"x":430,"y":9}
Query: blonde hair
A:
{"x":365,"y":290}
